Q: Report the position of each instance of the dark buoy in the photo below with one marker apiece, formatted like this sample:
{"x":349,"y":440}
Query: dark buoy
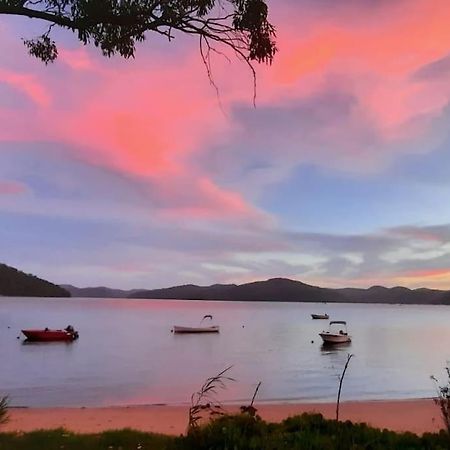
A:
{"x":312,"y":342}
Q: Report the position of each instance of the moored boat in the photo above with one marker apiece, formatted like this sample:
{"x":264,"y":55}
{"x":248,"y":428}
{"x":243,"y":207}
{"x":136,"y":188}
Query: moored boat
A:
{"x":320,"y":316}
{"x":47,"y":335}
{"x":337,"y":333}
{"x":199,"y":329}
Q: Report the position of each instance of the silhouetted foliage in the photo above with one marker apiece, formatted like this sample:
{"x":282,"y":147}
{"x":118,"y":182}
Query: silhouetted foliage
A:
{"x":204,"y":404}
{"x":250,"y":409}
{"x":13,"y":282}
{"x":4,"y":417}
{"x":341,"y":380}
{"x":115,"y":26}
{"x":305,"y":432}
{"x":443,"y":399}
{"x":242,"y":432}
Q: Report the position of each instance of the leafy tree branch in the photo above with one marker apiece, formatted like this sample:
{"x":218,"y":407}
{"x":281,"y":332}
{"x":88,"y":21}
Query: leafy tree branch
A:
{"x":116,"y":26}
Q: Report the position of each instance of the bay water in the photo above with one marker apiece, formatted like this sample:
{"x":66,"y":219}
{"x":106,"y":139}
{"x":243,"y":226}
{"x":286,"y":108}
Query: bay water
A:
{"x":127,"y":355}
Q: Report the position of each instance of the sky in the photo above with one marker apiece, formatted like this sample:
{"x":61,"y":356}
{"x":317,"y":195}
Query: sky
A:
{"x":135,"y":174}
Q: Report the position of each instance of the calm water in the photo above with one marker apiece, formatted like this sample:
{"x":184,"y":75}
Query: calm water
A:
{"x":126,"y":353}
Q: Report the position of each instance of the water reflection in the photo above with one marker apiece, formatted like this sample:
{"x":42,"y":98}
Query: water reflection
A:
{"x":26,"y":342}
{"x":328,"y":348}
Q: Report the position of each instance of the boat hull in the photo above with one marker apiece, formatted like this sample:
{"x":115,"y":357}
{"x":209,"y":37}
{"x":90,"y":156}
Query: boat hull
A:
{"x":320,"y":316}
{"x":50,"y":335}
{"x":185,"y":330}
{"x":331,"y":338}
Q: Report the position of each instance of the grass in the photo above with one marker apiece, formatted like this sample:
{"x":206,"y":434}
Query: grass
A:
{"x":239,"y":432}
{"x":204,"y":402}
{"x":61,"y":439}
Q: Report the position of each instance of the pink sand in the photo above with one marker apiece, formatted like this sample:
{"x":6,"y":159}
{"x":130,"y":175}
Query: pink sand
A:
{"x":417,"y":416}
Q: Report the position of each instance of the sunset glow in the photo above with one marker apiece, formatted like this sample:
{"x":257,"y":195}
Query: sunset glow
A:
{"x":137,"y":174}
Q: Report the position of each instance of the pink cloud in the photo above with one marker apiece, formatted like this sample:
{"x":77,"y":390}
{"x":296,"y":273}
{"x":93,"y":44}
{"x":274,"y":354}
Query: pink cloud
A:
{"x":206,"y":200}
{"x":155,"y":117}
{"x":11,"y":188}
{"x":136,"y":118}
{"x":373,"y":50}
{"x":369,"y":52}
{"x":28,"y":85}
{"x":77,"y":59}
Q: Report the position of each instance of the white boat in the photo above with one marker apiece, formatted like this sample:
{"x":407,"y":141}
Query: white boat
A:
{"x":200,"y":329}
{"x":320,"y":316}
{"x":337,"y":333}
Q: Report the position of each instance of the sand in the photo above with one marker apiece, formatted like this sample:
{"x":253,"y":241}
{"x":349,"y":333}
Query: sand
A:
{"x":417,"y":416}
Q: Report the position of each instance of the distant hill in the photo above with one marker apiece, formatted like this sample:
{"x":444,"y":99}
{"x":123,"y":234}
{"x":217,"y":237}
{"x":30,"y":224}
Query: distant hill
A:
{"x":275,"y":289}
{"x":285,"y":290}
{"x":98,"y":292}
{"x":15,"y":283}
{"x":380,"y":294}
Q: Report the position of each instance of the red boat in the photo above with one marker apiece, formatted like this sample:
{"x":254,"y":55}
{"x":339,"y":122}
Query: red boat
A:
{"x":47,"y":335}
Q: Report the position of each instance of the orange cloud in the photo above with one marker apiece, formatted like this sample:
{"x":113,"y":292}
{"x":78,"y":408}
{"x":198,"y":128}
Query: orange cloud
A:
{"x":428,"y":273}
{"x":433,"y":278}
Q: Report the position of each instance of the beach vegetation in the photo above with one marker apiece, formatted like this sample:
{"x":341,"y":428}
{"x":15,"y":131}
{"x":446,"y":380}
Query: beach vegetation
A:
{"x":250,"y":409}
{"x":305,"y":432}
{"x":240,"y":432}
{"x":341,"y":380}
{"x":4,"y":416}
{"x":61,"y":439}
{"x":204,"y":403}
{"x":443,"y":398}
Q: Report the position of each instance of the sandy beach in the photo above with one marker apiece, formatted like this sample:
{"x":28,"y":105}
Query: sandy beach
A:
{"x":417,"y":416}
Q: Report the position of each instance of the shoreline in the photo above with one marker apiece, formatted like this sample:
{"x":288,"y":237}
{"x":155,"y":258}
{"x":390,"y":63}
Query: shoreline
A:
{"x":414,"y":415}
{"x":303,"y":302}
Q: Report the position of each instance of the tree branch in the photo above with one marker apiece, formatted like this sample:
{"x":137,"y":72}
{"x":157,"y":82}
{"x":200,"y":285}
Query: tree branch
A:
{"x":36,"y":14}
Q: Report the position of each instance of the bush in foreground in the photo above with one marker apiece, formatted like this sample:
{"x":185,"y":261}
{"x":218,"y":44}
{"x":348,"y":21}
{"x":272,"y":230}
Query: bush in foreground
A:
{"x":305,"y":432}
{"x":241,"y":432}
{"x":61,"y":439}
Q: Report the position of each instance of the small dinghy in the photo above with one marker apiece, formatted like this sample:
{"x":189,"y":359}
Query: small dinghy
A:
{"x":320,"y":316}
{"x":46,"y":335}
{"x":337,"y":333}
{"x":200,"y":329}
